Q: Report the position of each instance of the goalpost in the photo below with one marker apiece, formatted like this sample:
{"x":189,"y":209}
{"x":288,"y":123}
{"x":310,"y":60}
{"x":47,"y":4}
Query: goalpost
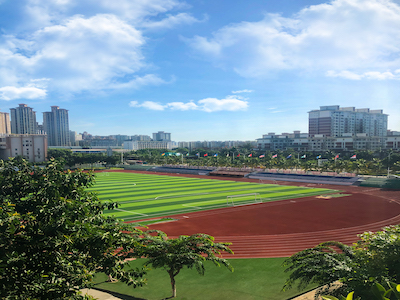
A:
{"x":243,"y":199}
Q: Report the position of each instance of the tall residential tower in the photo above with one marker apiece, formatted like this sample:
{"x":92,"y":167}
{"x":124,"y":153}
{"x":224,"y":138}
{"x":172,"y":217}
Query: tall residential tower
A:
{"x":335,"y":121}
{"x":5,"y":124}
{"x":162,"y":136}
{"x":23,"y":120}
{"x":55,"y":124}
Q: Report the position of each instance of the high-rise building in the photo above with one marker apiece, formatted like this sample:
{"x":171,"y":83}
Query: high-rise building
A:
{"x":162,"y":136}
{"x":140,"y":137}
{"x":338,"y":121}
{"x":5,"y":124}
{"x":23,"y":120}
{"x":56,"y":125}
{"x":121,"y":138}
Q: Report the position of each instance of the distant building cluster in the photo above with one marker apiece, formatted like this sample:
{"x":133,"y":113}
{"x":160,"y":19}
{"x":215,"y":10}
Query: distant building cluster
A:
{"x":336,"y":121}
{"x":339,"y":129}
{"x":21,"y":135}
{"x":329,"y":128}
{"x":214,"y":144}
{"x":161,"y":140}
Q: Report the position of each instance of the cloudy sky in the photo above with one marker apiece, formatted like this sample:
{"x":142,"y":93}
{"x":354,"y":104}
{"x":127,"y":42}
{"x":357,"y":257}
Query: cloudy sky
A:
{"x":201,"y":69}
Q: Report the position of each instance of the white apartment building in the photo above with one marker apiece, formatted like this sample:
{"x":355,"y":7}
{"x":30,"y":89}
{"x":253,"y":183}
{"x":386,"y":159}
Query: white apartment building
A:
{"x":393,"y":140}
{"x":139,"y":145}
{"x":271,"y":141}
{"x":56,"y":125}
{"x":162,"y":136}
{"x":23,"y":120}
{"x":301,"y":142}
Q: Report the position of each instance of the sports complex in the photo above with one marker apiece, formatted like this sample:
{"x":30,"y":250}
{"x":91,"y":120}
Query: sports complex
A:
{"x":261,"y":217}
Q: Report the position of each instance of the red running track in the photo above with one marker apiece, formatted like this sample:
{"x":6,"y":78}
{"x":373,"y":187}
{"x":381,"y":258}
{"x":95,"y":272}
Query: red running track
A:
{"x":282,"y":228}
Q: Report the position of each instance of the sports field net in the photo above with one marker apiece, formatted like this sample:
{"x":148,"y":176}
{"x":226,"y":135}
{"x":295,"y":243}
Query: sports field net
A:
{"x":243,"y":199}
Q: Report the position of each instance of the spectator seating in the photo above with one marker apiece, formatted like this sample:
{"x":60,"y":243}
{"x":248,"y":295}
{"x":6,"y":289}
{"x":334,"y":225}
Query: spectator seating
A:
{"x":340,"y":180}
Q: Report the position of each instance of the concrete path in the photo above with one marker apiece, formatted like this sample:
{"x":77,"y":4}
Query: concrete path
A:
{"x":99,"y":295}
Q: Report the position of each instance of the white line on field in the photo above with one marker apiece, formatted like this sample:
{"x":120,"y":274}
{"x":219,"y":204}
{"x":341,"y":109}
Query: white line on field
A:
{"x":131,"y":212}
{"x":180,"y":195}
{"x":191,"y":206}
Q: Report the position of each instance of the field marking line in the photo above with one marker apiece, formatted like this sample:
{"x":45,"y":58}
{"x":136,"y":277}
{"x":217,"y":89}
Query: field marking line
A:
{"x":192,"y":206}
{"x":180,"y":195}
{"x":173,"y":212}
{"x":131,"y":212}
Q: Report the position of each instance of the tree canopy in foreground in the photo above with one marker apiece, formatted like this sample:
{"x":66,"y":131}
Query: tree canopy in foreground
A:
{"x":54,"y":236}
{"x":374,"y":259}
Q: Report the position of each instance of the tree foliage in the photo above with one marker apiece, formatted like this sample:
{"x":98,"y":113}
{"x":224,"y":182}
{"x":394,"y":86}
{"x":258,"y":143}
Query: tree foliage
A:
{"x":322,"y":264}
{"x":375,"y":258}
{"x":377,"y":292}
{"x":184,"y":251}
{"x":70,"y":158}
{"x":53,"y":234}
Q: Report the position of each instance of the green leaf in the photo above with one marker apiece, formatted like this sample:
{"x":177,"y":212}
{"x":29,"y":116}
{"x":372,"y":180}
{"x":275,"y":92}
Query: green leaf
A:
{"x":350,"y":296}
{"x":378,"y":290}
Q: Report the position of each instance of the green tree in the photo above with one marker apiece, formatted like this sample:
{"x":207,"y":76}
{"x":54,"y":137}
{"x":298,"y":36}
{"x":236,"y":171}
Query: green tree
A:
{"x":61,"y":154}
{"x":323,"y":264}
{"x":185,"y":251}
{"x":377,"y":292}
{"x":373,"y":259}
{"x":53,"y":234}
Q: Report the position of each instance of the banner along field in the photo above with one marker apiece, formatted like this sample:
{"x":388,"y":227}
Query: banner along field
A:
{"x":142,"y":196}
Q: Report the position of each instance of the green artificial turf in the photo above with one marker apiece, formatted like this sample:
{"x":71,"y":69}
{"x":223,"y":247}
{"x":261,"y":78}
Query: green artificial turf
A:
{"x":142,"y":196}
{"x":252,"y":279}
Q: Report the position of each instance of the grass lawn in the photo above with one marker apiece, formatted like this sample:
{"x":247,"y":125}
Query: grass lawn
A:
{"x":144,"y":196}
{"x":253,"y":279}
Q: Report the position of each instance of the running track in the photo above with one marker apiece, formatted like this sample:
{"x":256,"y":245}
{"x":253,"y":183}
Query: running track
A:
{"x":282,"y":228}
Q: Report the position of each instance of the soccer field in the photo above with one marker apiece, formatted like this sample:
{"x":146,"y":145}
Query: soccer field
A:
{"x":143,"y":196}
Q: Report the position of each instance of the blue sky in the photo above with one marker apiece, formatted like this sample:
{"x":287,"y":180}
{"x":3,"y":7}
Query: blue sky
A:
{"x":201,"y":70}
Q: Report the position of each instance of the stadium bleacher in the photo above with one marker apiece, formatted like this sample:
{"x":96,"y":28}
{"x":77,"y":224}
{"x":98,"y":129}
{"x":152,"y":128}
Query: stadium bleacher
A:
{"x":229,"y":173}
{"x":193,"y":171}
{"x":322,"y":179}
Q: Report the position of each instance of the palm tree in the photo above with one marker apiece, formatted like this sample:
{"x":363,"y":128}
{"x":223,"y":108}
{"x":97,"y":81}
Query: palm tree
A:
{"x":377,"y":165}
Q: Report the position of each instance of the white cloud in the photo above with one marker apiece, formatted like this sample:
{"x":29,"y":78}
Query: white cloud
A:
{"x":147,"y":104}
{"x":136,"y":10}
{"x":381,"y":75}
{"x":170,"y":21}
{"x":77,"y":55}
{"x":139,"y":81}
{"x":344,"y":74}
{"x":358,"y":35}
{"x":84,"y":45}
{"x":152,"y":105}
{"x":230,"y":103}
{"x":182,"y":106}
{"x":367,"y":75}
{"x":41,"y":13}
{"x":242,"y":91}
{"x":30,"y":92}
